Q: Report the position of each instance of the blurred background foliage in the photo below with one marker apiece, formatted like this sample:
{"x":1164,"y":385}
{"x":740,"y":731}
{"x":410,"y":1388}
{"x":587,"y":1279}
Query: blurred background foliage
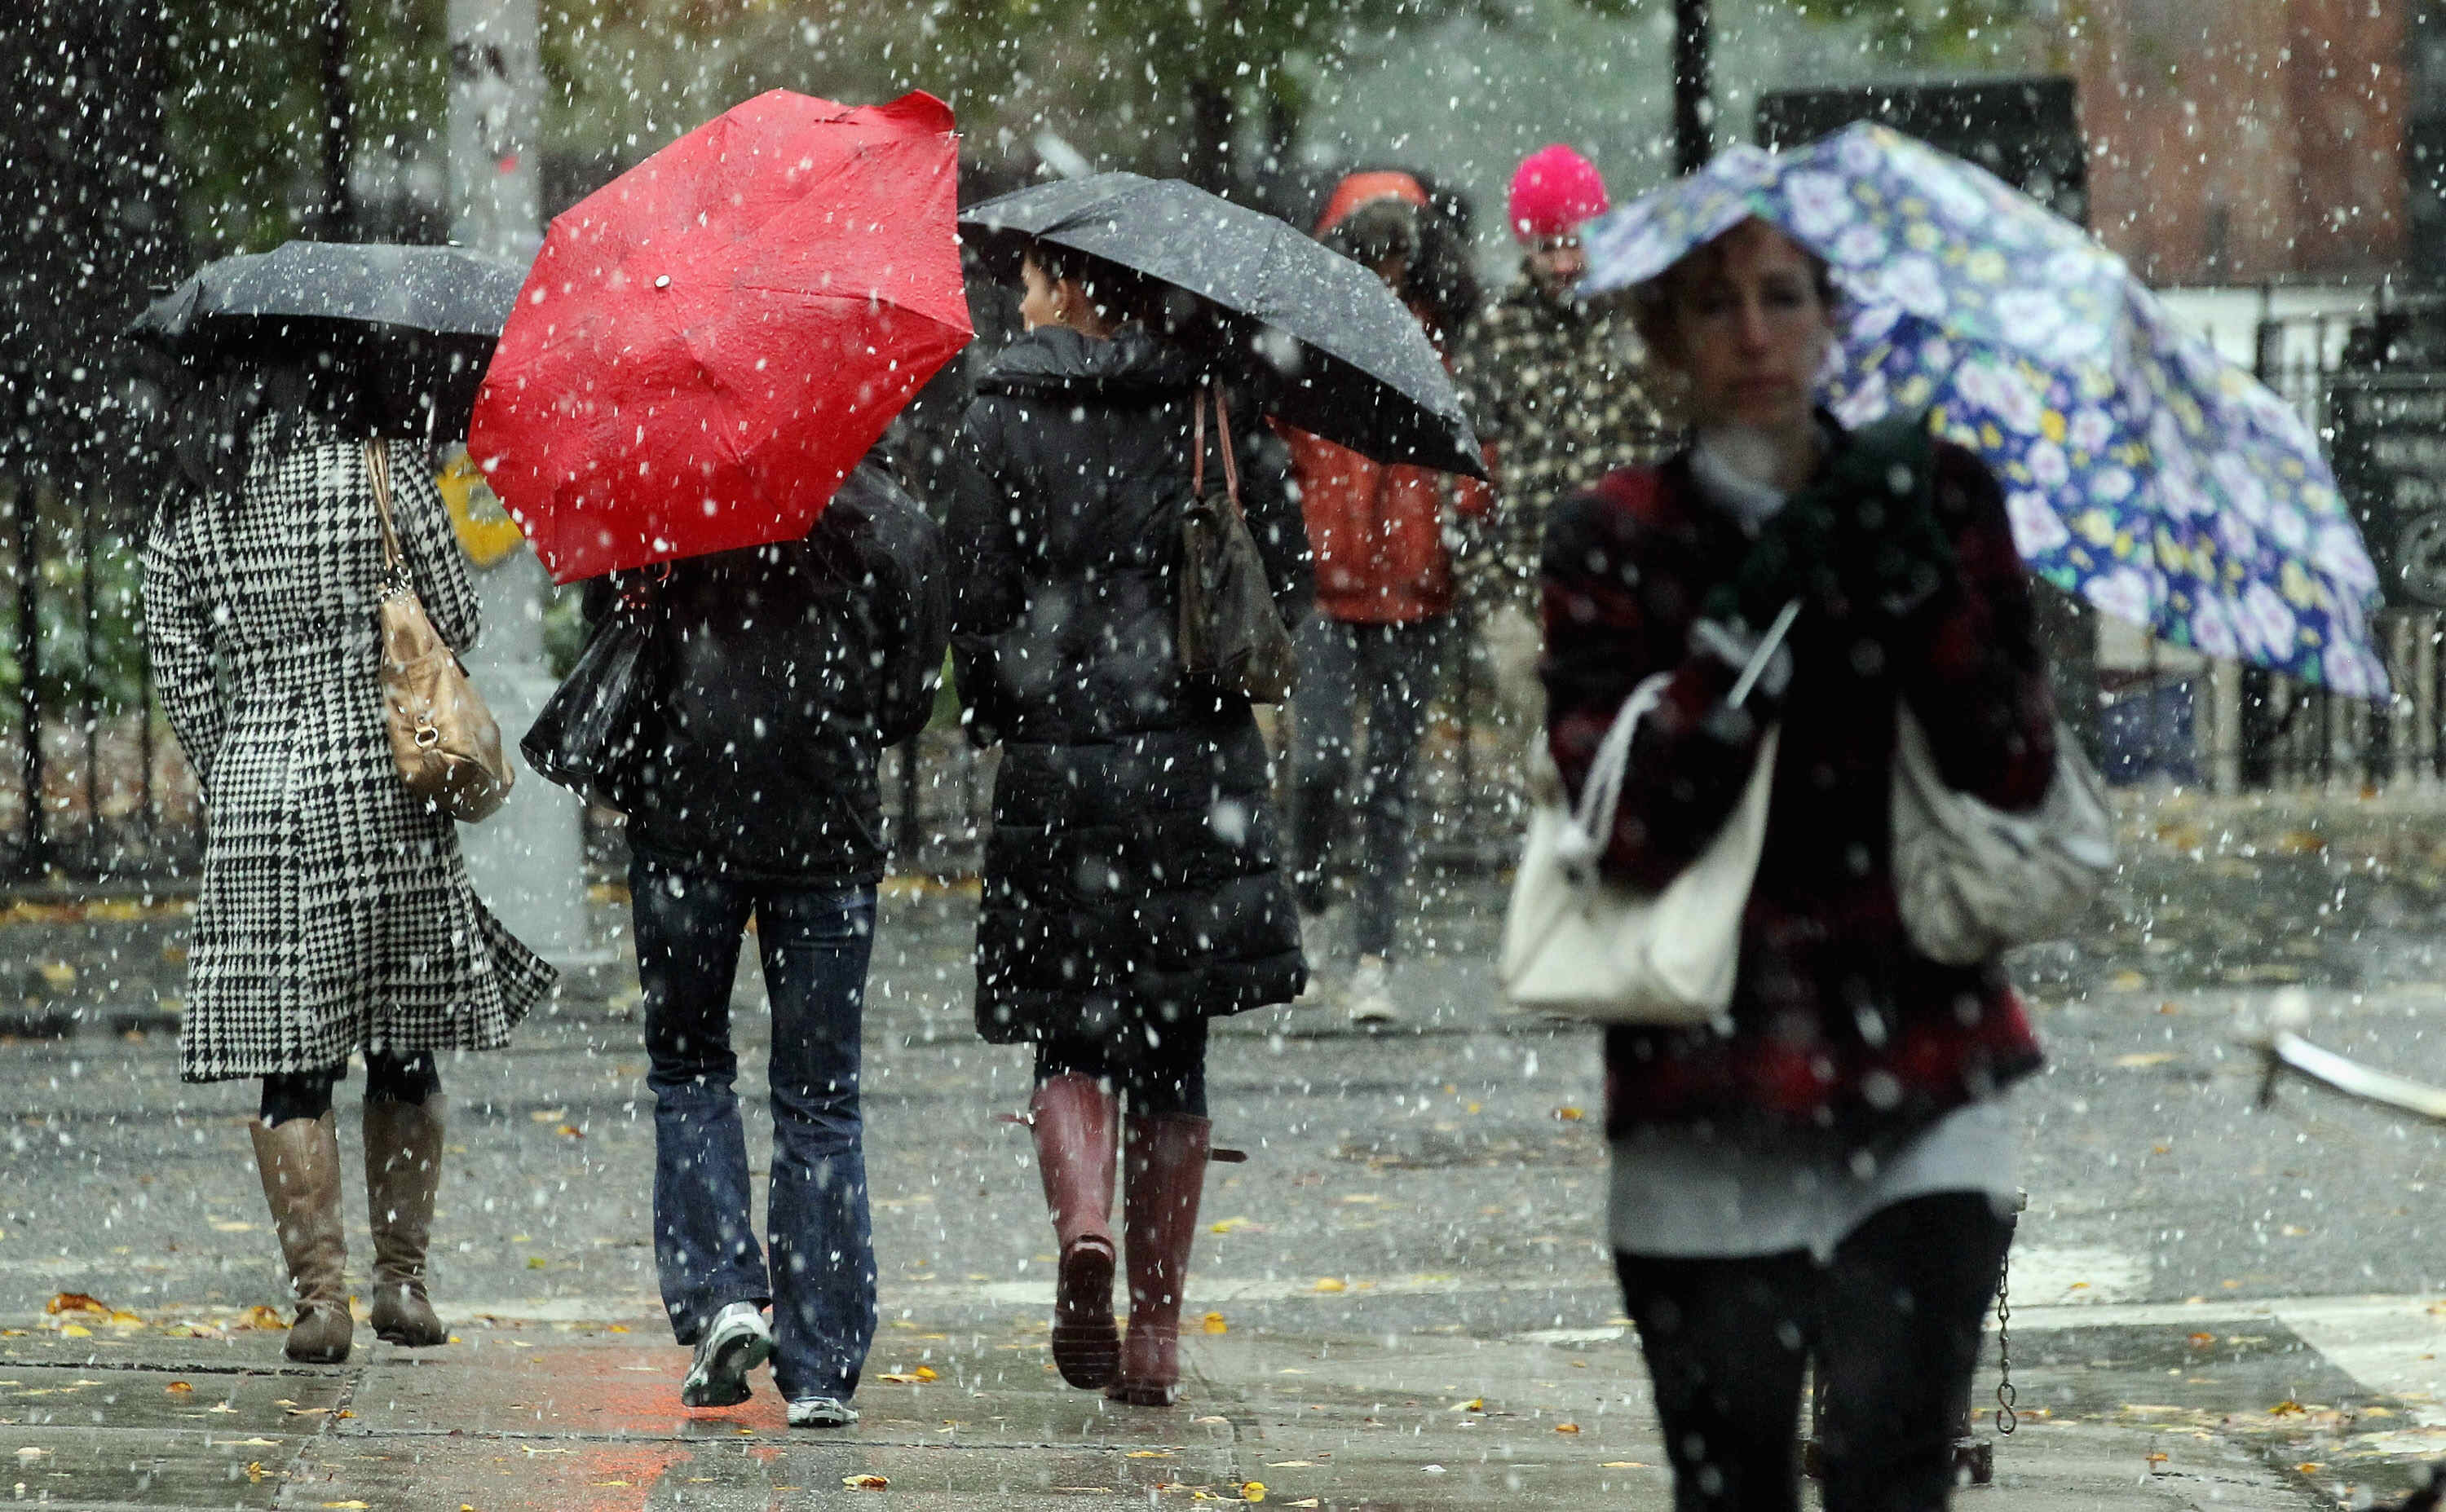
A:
{"x":1219,"y":91}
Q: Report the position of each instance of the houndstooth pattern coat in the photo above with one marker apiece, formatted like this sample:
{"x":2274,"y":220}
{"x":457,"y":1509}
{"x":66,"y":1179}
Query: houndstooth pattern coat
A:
{"x":335,"y":915}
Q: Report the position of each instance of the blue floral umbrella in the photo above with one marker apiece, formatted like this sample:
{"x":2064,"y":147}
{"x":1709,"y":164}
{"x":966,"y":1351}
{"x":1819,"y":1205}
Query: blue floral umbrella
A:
{"x":2141,"y":470}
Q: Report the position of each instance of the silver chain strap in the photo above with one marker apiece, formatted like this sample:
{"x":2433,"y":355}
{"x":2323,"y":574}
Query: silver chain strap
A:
{"x":2006,"y":1419}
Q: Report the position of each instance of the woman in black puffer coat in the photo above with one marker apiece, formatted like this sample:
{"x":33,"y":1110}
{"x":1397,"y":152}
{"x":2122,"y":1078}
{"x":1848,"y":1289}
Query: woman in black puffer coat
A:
{"x":1133,"y":881}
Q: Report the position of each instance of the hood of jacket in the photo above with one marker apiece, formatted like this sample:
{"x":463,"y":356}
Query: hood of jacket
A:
{"x":1055,"y":359}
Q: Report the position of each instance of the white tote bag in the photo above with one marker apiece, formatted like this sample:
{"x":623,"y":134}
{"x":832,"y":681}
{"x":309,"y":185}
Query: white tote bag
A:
{"x":1974,"y":881}
{"x":1580,"y":946}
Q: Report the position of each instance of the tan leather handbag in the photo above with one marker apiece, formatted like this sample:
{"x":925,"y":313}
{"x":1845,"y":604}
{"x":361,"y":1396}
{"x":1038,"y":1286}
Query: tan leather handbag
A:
{"x":442,"y":739}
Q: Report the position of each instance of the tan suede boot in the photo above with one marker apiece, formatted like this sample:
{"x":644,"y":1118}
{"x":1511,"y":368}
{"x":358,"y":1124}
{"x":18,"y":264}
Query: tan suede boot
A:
{"x":403,"y":1172}
{"x":300,"y":1166}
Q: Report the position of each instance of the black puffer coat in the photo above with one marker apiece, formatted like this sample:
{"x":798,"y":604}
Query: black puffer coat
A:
{"x":779,"y":672}
{"x":1133,"y":876}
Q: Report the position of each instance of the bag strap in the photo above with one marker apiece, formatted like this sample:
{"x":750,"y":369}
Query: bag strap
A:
{"x":1591,"y":827}
{"x":1223,"y":431}
{"x":378,"y":473}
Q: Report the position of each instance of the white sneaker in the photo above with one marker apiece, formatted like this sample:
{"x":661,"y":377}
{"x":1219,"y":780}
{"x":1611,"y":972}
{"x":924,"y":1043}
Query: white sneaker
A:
{"x":821,"y":1412}
{"x":1370,"y":998}
{"x":738,"y":1341}
{"x":1316,"y":994}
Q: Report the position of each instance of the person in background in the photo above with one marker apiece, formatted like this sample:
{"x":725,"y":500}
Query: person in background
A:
{"x":1383,"y":596}
{"x":1561,"y":395}
{"x":1132,"y":887}
{"x":1823,"y":1179}
{"x":777,"y":674}
{"x":335,"y":917}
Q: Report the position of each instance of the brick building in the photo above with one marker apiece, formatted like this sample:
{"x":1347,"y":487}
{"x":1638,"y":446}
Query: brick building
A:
{"x":2236,"y":141}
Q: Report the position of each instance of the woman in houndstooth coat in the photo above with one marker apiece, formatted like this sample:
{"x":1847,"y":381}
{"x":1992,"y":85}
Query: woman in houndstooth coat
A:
{"x":335,"y":916}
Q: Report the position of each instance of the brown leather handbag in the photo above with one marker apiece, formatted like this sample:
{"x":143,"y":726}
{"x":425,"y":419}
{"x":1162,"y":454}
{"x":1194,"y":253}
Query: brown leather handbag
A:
{"x":442,"y":739}
{"x":1231,"y":632}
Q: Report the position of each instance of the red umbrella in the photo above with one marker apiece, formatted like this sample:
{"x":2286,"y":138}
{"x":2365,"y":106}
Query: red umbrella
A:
{"x":707,"y":345}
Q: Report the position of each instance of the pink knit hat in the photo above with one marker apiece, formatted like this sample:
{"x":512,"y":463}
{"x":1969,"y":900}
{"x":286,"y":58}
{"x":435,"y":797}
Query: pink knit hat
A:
{"x":1554,"y":193}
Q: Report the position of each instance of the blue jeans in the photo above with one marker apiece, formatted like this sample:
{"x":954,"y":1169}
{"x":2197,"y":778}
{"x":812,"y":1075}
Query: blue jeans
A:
{"x":1393,"y":669}
{"x":815,"y":944}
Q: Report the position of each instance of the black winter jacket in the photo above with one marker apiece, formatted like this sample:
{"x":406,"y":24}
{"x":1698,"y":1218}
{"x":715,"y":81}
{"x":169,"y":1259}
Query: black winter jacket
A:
{"x":1133,"y":876}
{"x":780,"y":671}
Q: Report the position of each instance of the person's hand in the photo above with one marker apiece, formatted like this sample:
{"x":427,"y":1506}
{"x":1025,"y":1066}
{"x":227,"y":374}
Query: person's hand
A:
{"x":1793,"y":557}
{"x":1888,"y":553}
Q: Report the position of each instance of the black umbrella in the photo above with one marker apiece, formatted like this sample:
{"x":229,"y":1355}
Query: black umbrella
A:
{"x":419,"y":321}
{"x":1355,"y":368}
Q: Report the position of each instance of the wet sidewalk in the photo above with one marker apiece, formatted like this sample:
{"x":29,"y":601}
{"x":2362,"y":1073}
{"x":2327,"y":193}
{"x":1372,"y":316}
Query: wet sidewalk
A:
{"x":568,"y":1416}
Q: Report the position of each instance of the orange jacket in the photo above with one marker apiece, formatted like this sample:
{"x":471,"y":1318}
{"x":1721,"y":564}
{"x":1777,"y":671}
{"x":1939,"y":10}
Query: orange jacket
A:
{"x":1377,"y":532}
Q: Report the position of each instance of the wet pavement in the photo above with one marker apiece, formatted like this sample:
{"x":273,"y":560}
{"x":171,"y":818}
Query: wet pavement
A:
{"x":579,"y":1415}
{"x":2213,"y":1303}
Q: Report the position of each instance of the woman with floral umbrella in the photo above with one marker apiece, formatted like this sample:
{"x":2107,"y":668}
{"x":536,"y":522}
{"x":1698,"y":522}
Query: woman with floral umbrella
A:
{"x":2140,"y":468}
{"x":1822,"y":1176}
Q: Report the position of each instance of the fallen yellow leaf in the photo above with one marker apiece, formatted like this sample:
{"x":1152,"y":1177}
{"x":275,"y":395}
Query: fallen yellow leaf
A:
{"x":1214,"y":1324}
{"x":925,"y":1372}
{"x":1624,"y":1464}
{"x":864,"y":1482}
{"x":1570,"y":1115}
{"x":1229,"y":1225}
{"x":1567,"y":1427}
{"x":77,"y":1331}
{"x":177,"y":1388}
{"x":260,"y":1316}
{"x":1331,"y":1283}
{"x":75,"y":1302}
{"x":2150,"y":1058}
{"x":348,"y":1504}
{"x":255,"y":1472}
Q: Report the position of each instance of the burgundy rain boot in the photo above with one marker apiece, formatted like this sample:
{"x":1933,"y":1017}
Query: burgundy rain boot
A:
{"x":1073,"y":1117}
{"x":1164,"y":1176}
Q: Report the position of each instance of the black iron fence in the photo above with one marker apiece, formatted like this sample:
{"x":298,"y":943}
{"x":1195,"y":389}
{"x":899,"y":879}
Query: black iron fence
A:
{"x":95,"y":790}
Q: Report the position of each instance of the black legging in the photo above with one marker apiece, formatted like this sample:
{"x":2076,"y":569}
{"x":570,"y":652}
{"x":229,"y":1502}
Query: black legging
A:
{"x":1891,"y":1323}
{"x":1168,"y":1076}
{"x":388,"y":1079}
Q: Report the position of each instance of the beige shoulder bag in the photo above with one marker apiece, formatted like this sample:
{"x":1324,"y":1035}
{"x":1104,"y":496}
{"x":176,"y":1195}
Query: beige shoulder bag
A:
{"x":442,"y":739}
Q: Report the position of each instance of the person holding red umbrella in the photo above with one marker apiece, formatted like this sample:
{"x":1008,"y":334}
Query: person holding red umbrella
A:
{"x":690,"y":399}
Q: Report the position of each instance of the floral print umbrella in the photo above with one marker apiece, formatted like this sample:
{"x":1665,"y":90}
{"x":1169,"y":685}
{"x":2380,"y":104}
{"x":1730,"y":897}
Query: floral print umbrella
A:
{"x":2142,"y":469}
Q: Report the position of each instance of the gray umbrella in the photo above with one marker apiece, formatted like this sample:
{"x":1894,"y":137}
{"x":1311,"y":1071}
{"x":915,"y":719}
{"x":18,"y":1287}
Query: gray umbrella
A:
{"x":1350,"y":362}
{"x":422,"y":320}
